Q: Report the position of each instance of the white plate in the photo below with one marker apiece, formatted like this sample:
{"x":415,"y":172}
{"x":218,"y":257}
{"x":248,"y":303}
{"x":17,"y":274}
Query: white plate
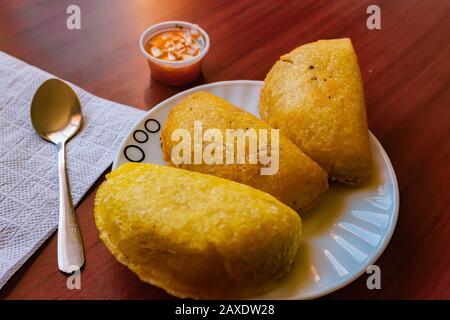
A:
{"x":342,"y":236}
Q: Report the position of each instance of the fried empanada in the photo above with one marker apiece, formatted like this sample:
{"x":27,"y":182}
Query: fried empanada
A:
{"x":315,"y":96}
{"x":299,"y":181}
{"x":195,"y":235}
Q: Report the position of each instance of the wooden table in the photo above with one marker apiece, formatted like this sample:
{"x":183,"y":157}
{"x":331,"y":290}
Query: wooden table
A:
{"x":406,"y":71}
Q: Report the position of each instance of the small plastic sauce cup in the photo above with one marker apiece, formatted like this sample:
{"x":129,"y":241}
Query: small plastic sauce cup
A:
{"x":176,"y":72}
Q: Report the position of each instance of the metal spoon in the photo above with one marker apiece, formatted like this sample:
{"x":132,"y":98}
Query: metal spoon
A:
{"x":56,"y":117}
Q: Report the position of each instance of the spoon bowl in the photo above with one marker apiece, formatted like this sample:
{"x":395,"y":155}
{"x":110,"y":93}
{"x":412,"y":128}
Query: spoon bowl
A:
{"x":56,"y":116}
{"x":55,"y":111}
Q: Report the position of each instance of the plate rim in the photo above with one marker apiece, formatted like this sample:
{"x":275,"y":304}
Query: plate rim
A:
{"x":395,"y":198}
{"x":387,"y":239}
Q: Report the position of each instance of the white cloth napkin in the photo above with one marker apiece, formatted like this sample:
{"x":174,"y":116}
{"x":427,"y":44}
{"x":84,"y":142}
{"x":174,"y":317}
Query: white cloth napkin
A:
{"x":28,"y":172}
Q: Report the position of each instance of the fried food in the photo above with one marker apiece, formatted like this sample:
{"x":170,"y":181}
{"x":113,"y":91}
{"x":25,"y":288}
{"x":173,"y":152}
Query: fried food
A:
{"x":195,"y":235}
{"x":299,"y":181}
{"x":315,"y":96}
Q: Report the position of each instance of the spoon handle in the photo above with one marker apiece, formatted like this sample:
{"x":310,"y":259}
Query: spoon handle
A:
{"x":70,"y":245}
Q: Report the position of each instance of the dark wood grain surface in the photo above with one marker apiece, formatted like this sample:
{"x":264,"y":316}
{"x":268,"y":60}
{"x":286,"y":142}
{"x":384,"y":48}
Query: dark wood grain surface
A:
{"x":406,"y":71}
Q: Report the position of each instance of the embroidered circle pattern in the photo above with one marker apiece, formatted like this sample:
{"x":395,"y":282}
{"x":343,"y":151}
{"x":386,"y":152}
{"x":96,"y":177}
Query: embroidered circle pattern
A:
{"x":133,"y":152}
